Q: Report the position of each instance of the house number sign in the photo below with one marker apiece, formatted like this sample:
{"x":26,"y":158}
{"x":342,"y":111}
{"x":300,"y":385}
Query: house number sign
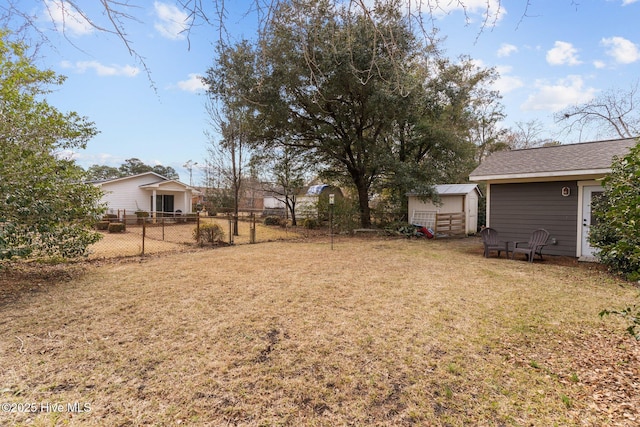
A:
{"x":566,"y":191}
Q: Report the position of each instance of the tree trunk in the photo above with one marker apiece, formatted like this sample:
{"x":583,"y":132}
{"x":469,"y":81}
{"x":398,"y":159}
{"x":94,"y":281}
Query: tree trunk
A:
{"x":363,"y":200}
{"x":291,"y":205}
{"x":236,"y":196}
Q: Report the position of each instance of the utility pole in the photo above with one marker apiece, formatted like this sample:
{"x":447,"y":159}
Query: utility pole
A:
{"x":189,"y":165}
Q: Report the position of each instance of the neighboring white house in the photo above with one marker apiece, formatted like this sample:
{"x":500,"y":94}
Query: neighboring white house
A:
{"x":454,"y":199}
{"x":148,"y":192}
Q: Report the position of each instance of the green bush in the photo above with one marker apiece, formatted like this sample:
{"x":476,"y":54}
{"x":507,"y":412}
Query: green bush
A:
{"x":346,"y":215}
{"x":47,"y":209}
{"x":615,"y":232}
{"x":110,"y":217}
{"x":102,"y":225}
{"x":401,"y":228}
{"x":116,"y":227}
{"x":208,"y":233}
{"x":272,"y":220}
{"x":617,"y":214}
{"x":141,"y":216}
{"x":631,"y":315}
{"x":310,"y":223}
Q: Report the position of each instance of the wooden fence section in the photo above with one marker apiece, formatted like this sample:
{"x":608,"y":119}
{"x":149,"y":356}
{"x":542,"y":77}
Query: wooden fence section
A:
{"x":451,"y":224}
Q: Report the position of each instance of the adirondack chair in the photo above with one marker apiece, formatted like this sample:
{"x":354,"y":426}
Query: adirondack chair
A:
{"x":534,"y":246}
{"x":492,"y":242}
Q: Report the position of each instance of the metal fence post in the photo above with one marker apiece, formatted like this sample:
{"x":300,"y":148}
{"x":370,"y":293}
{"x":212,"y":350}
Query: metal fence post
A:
{"x":144,"y":231}
{"x":230,"y":229}
{"x":252,"y":228}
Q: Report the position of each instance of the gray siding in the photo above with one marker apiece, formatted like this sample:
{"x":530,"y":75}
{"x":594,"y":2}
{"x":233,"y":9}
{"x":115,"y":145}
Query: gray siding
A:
{"x":518,"y":209}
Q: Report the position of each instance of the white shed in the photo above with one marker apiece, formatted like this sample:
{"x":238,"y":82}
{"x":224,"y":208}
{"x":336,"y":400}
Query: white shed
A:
{"x":454,"y":199}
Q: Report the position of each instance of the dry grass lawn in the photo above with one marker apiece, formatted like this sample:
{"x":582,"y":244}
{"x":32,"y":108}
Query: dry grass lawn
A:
{"x":377,"y":332}
{"x":176,"y":237}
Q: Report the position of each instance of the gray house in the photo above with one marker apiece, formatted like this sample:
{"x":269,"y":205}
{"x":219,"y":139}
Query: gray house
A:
{"x":550,"y":188}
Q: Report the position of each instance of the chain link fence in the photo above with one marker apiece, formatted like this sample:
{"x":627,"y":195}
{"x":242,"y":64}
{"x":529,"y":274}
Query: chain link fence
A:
{"x":122,"y":237}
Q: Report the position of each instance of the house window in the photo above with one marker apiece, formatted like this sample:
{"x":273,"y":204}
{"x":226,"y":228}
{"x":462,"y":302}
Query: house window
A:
{"x":164,"y":203}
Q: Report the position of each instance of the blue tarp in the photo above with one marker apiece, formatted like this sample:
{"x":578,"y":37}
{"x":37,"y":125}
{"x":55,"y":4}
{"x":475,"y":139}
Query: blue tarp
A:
{"x":315,"y":190}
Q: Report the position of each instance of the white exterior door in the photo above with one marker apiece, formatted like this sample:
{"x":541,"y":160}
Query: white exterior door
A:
{"x":589,"y":193}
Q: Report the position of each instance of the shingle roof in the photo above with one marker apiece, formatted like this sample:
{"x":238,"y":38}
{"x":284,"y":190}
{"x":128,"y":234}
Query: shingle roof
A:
{"x":559,"y":160}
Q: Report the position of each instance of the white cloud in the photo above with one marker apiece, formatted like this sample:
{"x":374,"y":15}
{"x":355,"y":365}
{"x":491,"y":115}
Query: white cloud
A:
{"x":506,"y":83}
{"x":193,"y":84}
{"x":102,"y":70}
{"x":506,"y":49}
{"x":66,"y":18}
{"x":172,"y":22}
{"x":563,"y":53}
{"x":628,"y":2}
{"x":555,"y":97}
{"x":622,"y":50}
{"x":85,"y":159}
{"x":599,"y":64}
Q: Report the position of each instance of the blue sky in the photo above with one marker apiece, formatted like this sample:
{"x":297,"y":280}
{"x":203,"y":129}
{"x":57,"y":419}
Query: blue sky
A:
{"x":550,"y":55}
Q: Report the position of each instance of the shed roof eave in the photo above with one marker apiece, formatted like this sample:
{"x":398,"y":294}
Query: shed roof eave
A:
{"x":541,"y":175}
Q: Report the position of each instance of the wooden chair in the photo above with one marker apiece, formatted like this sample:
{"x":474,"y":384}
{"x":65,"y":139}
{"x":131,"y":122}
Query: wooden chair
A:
{"x":537,"y":241}
{"x":492,"y":242}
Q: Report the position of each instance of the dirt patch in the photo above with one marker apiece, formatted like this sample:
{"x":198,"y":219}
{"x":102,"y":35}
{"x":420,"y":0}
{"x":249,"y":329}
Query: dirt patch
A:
{"x":26,"y":278}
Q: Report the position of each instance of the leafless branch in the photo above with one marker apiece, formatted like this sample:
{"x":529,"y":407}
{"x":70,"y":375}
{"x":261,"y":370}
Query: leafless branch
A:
{"x":118,"y":15}
{"x":612,"y":113}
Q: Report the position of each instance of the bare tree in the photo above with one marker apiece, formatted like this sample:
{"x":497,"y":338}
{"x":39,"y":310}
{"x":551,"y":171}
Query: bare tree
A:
{"x":486,"y":132}
{"x":229,"y":157}
{"x":526,"y":135}
{"x":614,"y":113}
{"x":284,"y":172}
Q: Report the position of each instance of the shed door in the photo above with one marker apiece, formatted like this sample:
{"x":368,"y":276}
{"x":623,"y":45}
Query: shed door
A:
{"x":590,"y":194}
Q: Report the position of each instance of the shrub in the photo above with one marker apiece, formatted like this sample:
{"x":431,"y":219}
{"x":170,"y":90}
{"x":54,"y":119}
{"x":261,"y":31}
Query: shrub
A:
{"x":272,"y":220}
{"x":102,"y":225}
{"x":401,"y":228}
{"x":47,"y":210}
{"x":615,"y":232}
{"x":617,"y":216}
{"x":110,"y":217}
{"x":141,"y":216}
{"x":284,"y":222}
{"x":208,"y":234}
{"x":116,"y":227}
{"x":310,"y":223}
{"x":631,"y":315}
{"x":345,"y":213}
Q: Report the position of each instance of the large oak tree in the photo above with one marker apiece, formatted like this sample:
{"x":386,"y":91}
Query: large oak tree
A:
{"x":360,"y":94}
